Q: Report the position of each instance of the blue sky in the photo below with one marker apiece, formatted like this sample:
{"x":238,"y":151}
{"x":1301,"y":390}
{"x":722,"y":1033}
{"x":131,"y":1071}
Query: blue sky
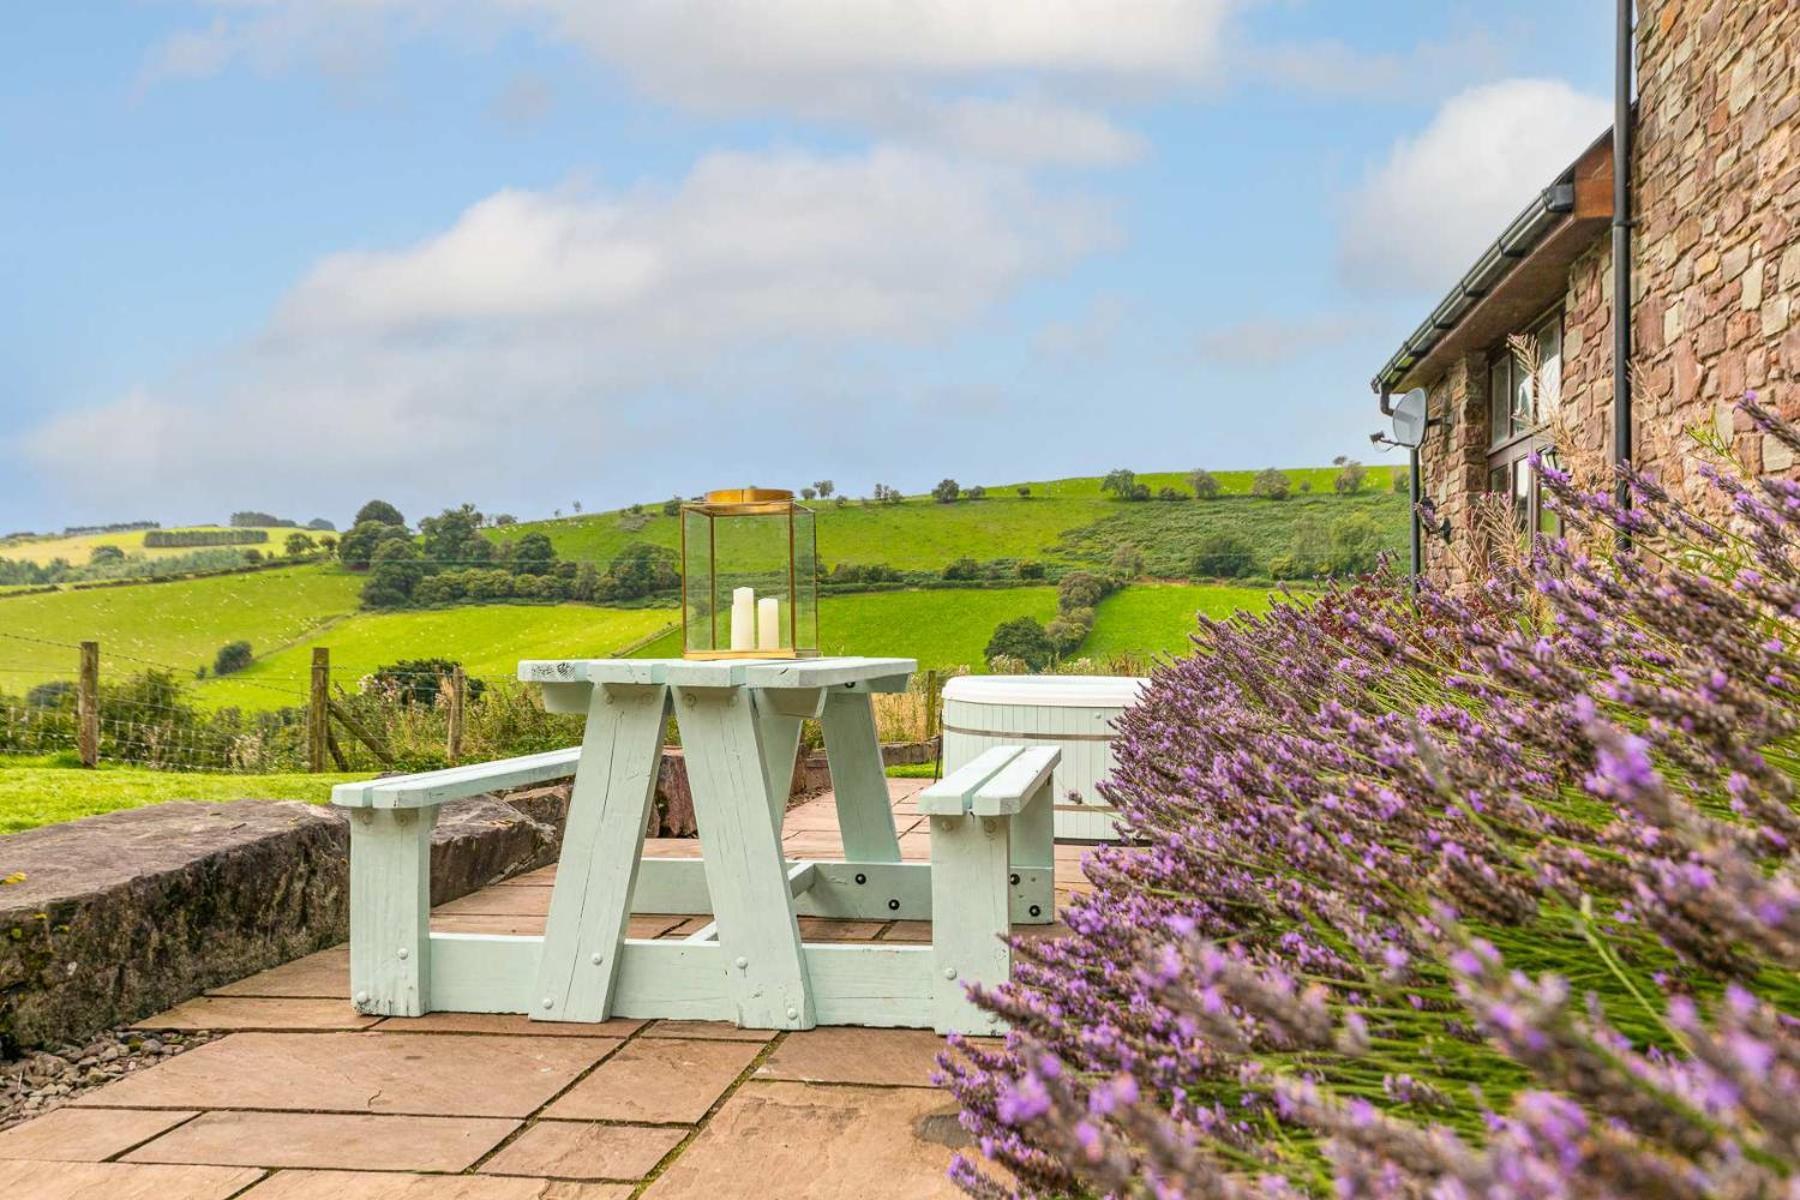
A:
{"x":287,"y":256}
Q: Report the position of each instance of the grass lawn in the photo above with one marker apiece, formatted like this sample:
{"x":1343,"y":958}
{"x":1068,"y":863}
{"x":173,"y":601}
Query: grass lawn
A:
{"x":42,"y":791}
{"x":489,"y":640}
{"x":77,"y":548}
{"x":180,"y":624}
{"x":1157,"y":619}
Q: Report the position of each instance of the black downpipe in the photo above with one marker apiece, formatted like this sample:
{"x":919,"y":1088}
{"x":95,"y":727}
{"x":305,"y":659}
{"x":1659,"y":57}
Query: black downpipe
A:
{"x":1418,"y":492}
{"x":1621,"y":244}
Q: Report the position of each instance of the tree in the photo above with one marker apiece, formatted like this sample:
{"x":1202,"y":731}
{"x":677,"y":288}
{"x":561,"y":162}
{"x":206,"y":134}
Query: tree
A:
{"x":252,"y":519}
{"x":1349,"y":480}
{"x":101,"y":555}
{"x":232,"y":656}
{"x":533,"y":554}
{"x":963,"y":569}
{"x":1355,"y":544}
{"x":394,"y":570}
{"x":807,"y":493}
{"x":672,"y":506}
{"x":321,"y":525}
{"x":1205,"y":485}
{"x":824,"y":487}
{"x":1031,"y":569}
{"x":1128,"y":562}
{"x":1023,"y":638}
{"x":1223,"y":555}
{"x":1309,"y":554}
{"x":1119,"y":482}
{"x":1024,"y":491}
{"x":453,"y":538}
{"x":946,"y":491}
{"x":1171,"y":494}
{"x":298,"y":544}
{"x":381,"y":511}
{"x":328,"y":542}
{"x":577,"y":507}
{"x":978,"y":492}
{"x":420,"y":680}
{"x":1270,"y":484}
{"x":1080,"y":589}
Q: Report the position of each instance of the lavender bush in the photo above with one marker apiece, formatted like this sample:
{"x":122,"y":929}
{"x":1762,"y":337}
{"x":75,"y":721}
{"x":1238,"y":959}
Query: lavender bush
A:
{"x":1486,"y":895}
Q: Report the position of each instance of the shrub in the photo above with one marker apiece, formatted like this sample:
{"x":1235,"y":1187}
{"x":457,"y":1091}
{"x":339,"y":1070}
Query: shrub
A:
{"x":502,"y":520}
{"x":672,"y":507}
{"x":1119,"y":481}
{"x":1024,"y":491}
{"x":1031,"y":569}
{"x":163,"y":539}
{"x":1402,"y":481}
{"x":1022,"y":638}
{"x":298,"y":544}
{"x":978,"y":492}
{"x":1080,"y":589}
{"x":1309,"y":551}
{"x":100,"y":555}
{"x":232,"y":656}
{"x":963,"y":569}
{"x":418,"y":680}
{"x":1270,"y":484}
{"x":1223,"y":555}
{"x":946,"y":491}
{"x":1171,"y":494}
{"x":1355,"y":544}
{"x":381,"y":512}
{"x":1472,"y":896}
{"x":1205,"y":486}
{"x":57,"y":693}
{"x":1349,"y":480}
{"x":1127,"y":562}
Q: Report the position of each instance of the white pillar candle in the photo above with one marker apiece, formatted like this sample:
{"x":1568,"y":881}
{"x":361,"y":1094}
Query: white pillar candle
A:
{"x":768,"y":623}
{"x":743,"y":618}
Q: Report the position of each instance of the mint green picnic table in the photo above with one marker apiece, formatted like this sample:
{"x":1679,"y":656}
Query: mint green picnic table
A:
{"x":740,"y":722}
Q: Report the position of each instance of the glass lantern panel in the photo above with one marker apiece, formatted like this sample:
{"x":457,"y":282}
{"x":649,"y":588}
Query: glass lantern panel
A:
{"x":753,"y":565}
{"x":806,"y":580}
{"x":701,"y":617}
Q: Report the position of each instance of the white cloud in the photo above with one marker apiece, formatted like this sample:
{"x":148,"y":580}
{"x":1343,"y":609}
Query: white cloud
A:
{"x":571,"y":331}
{"x":1270,"y":341}
{"x":1421,"y":219}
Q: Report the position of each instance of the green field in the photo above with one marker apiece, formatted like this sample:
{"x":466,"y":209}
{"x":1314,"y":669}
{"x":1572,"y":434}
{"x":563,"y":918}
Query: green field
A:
{"x":41,"y":791}
{"x":1157,"y":619}
{"x":921,"y":534}
{"x":76,"y":549}
{"x":489,"y":640}
{"x":179,"y":625}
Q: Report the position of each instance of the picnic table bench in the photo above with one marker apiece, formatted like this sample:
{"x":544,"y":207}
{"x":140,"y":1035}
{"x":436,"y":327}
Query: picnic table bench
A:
{"x":991,"y":865}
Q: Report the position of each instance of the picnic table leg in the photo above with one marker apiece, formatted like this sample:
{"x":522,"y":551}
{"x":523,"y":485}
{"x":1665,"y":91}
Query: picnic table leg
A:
{"x":390,"y":910}
{"x":730,"y":768}
{"x":969,"y":908}
{"x":590,"y":906}
{"x":1033,"y":838}
{"x":858,"y":777}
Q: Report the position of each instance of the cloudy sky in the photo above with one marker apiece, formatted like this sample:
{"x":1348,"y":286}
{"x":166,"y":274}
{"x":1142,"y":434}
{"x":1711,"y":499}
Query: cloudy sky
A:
{"x":288,"y":254}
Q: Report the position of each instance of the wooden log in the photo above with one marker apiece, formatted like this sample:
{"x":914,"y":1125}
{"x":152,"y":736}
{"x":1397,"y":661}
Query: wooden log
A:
{"x":459,"y":694}
{"x":318,"y":711}
{"x":358,"y":731}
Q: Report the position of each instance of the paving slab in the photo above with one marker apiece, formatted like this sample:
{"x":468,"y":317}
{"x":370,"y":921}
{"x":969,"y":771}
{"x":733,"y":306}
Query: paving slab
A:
{"x":581,"y":1150}
{"x":121,"y":1181}
{"x":361,"y":1185}
{"x":324,"y":975}
{"x":847,"y":1054}
{"x":657,"y":1080}
{"x":259,"y":1012}
{"x":803,"y":1142}
{"x":723,"y":1031}
{"x":85,"y":1135}
{"x":516,"y":1024}
{"x":260,"y":1139}
{"x":424,"y":1074}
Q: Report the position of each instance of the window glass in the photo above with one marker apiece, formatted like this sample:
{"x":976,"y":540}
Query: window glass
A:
{"x":1499,"y":393}
{"x":1522,"y":407}
{"x":1521,"y":493}
{"x":1550,"y":363}
{"x":1546,"y":518}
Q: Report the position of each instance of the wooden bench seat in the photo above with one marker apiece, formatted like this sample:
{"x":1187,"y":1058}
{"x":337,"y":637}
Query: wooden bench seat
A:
{"x":428,"y":789}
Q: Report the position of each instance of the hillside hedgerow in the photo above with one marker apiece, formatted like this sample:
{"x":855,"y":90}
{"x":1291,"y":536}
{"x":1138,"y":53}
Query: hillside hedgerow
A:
{"x":1491,"y":895}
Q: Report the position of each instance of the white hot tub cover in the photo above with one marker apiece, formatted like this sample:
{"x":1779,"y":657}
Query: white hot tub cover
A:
{"x":1051,"y":691}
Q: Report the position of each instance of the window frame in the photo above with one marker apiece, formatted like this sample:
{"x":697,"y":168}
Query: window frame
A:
{"x":1508,"y":452}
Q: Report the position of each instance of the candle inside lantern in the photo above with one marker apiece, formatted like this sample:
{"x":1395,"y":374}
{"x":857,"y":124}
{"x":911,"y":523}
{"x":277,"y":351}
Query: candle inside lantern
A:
{"x":743,"y":618}
{"x":768,"y":623}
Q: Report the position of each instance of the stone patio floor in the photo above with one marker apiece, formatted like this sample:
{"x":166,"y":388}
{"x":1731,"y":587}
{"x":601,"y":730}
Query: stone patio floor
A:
{"x":307,"y":1100}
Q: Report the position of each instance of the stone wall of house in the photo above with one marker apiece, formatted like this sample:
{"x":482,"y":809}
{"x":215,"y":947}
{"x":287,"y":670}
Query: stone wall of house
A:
{"x":1717,"y":261}
{"x":1453,"y":461}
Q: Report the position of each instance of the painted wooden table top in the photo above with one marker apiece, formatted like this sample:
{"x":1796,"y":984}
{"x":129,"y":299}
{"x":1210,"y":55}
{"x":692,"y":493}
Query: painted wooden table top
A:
{"x":735,"y":672}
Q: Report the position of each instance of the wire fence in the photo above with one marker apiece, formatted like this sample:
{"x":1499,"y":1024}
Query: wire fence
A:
{"x":358,"y":717}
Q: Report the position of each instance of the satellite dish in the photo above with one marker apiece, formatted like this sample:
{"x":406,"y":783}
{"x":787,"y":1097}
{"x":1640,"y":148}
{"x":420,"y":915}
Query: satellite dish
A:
{"x":1409,"y":418}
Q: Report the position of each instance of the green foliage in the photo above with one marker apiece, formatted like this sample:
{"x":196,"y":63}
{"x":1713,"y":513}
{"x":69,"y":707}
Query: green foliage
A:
{"x":1224,"y":555}
{"x":1350,"y":478}
{"x":381,"y":512}
{"x":418,"y":680}
{"x":1081,"y":589}
{"x":251,"y":519}
{"x":453,"y":538}
{"x":1355,"y":544}
{"x":1119,"y":482}
{"x":1127,"y":562}
{"x":533,"y":554}
{"x":1169,"y":494}
{"x":105,"y":553}
{"x":1271,"y":484}
{"x":166,"y":538}
{"x":356,"y":549}
{"x":963,"y":569}
{"x":672,"y":507}
{"x":1309,"y":554}
{"x":1205,"y":484}
{"x":1022,"y":638}
{"x":978,"y":492}
{"x":1030,"y":568}
{"x":1024,"y":490}
{"x":394,"y":570}
{"x":321,"y":525}
{"x":232,"y":657}
{"x":946,"y":491}
{"x":825,"y":488}
{"x":1402,"y":484}
{"x":298,"y":544}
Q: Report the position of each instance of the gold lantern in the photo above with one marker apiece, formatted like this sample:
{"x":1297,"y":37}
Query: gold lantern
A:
{"x":749,"y":576}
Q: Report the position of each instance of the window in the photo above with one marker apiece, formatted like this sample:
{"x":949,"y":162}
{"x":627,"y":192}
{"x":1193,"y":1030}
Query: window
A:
{"x":1517,"y":404}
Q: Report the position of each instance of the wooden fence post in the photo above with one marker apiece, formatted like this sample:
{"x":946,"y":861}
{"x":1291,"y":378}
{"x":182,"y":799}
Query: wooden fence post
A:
{"x":459,"y":695}
{"x":87,"y":705}
{"x":318,"y":712}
